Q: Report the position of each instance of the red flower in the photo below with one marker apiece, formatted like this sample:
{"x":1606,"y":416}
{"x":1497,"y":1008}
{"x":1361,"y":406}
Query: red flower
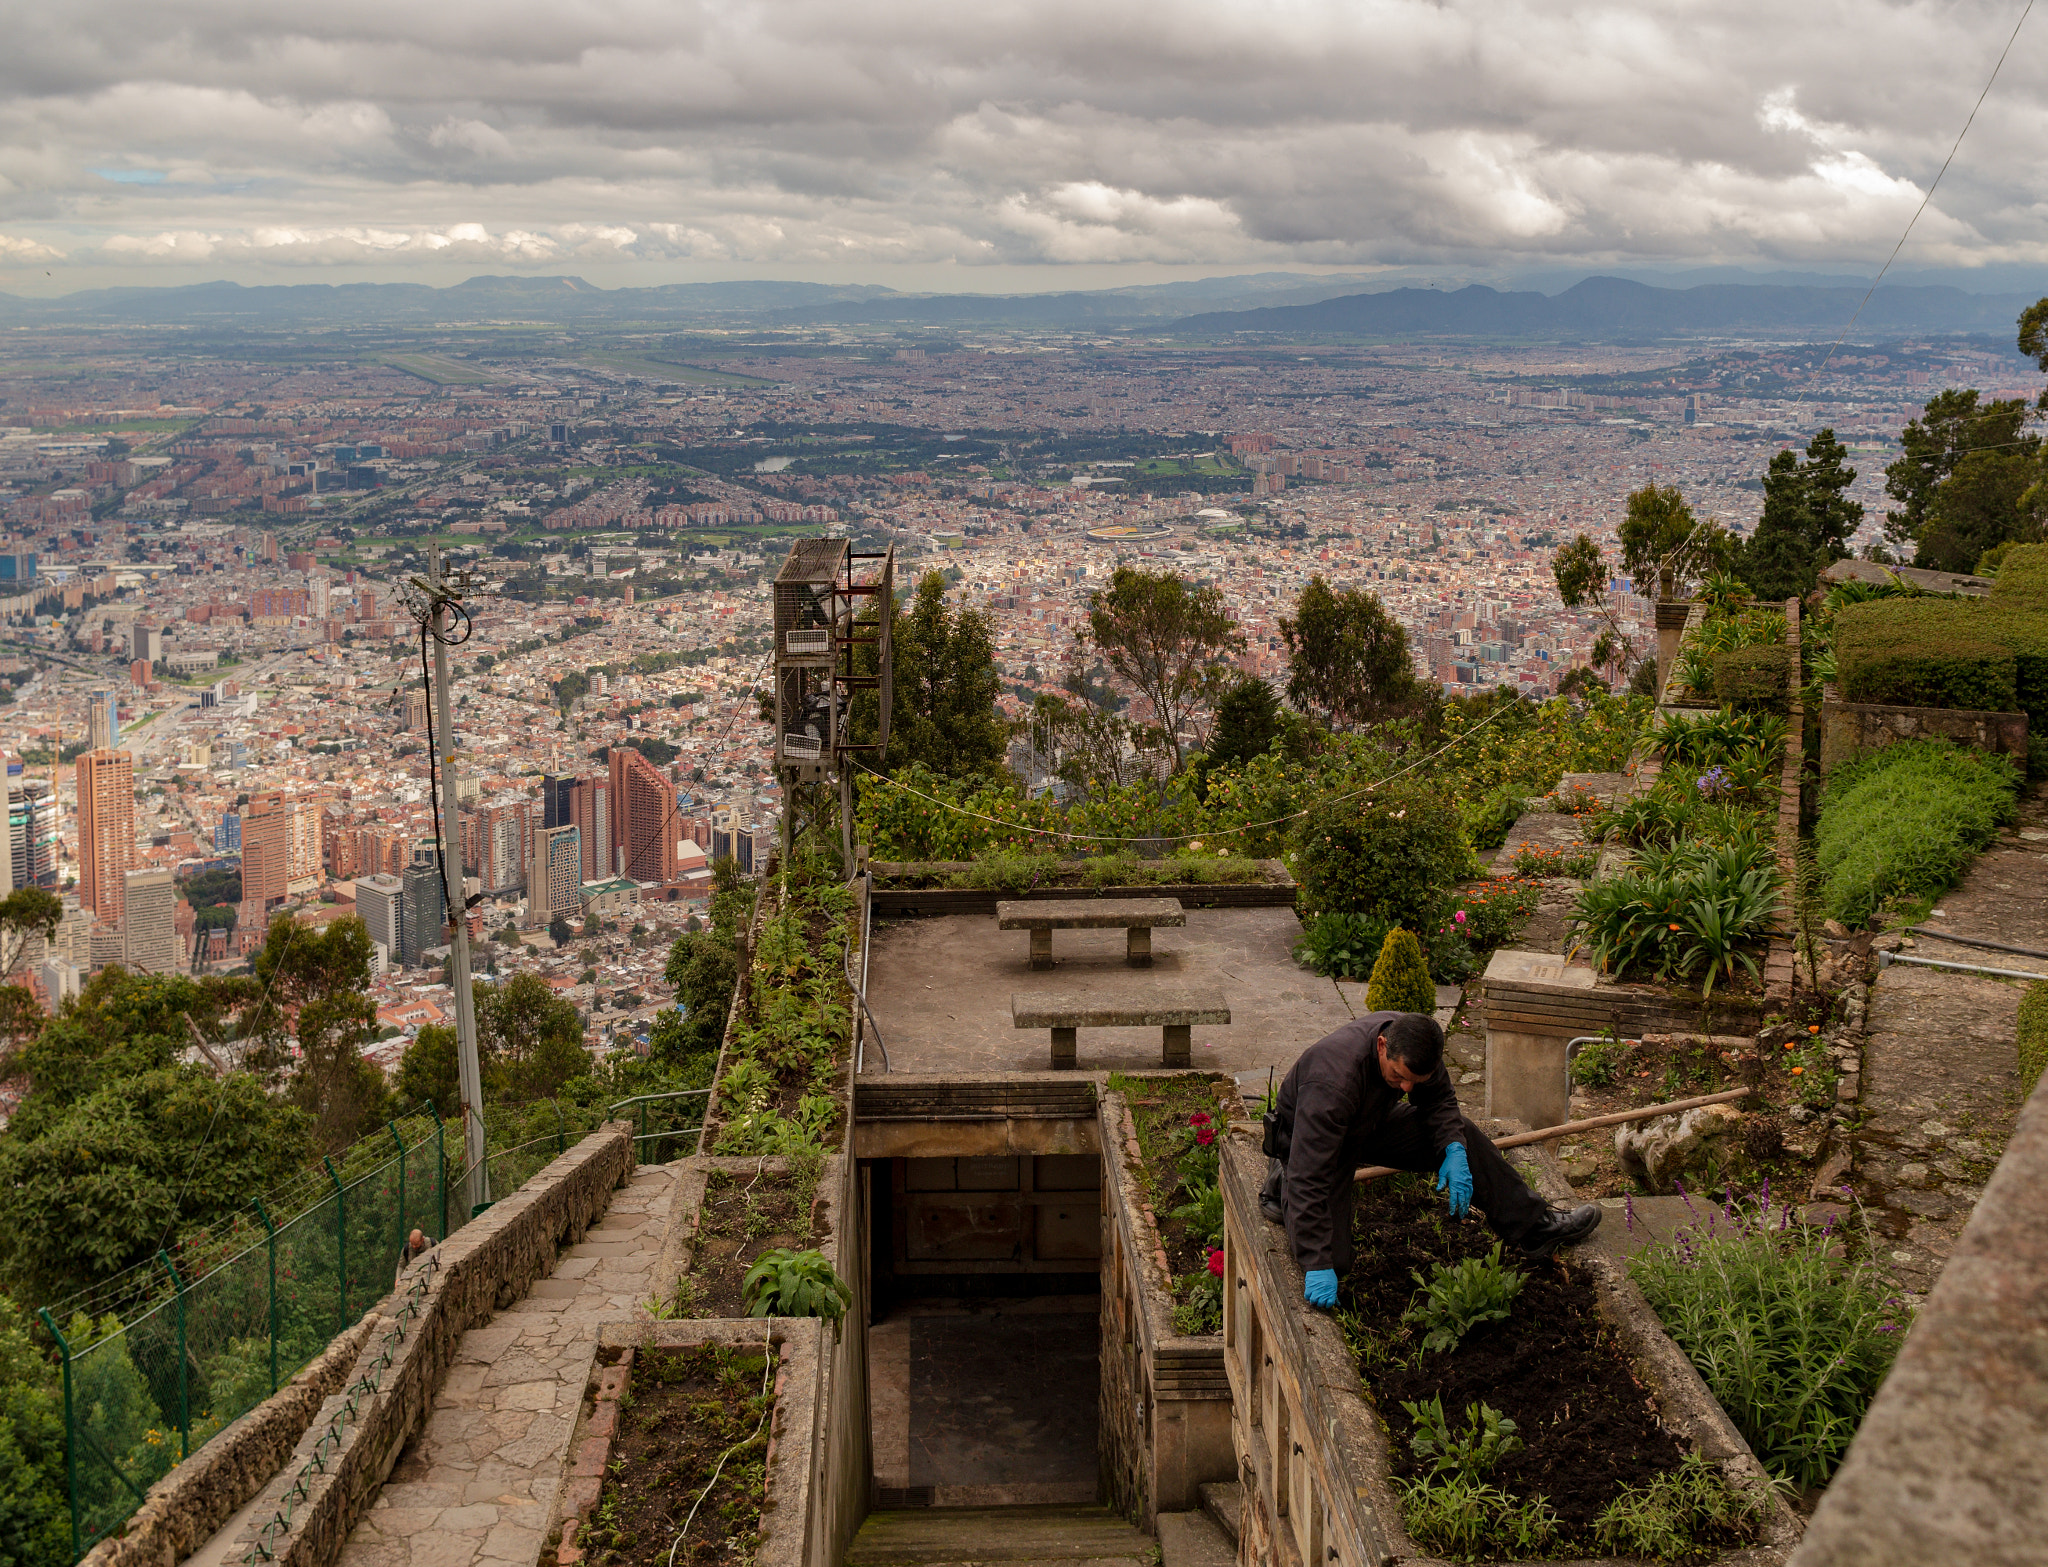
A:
{"x":1216,"y":1263}
{"x":1205,"y":1135}
{"x":1199,"y":1118}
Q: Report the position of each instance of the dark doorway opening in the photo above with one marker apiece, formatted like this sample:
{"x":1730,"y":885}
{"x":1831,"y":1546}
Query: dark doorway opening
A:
{"x":985,"y":1344}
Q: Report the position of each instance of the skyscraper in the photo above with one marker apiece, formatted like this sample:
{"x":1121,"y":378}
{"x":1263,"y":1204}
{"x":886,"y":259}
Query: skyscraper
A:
{"x":106,"y":831}
{"x":505,"y":833}
{"x":103,"y":721}
{"x":266,"y":850}
{"x":554,"y":884}
{"x":645,"y":827}
{"x":422,"y":921}
{"x":31,"y":849}
{"x":590,"y":812}
{"x":148,"y":927}
{"x":379,"y":900}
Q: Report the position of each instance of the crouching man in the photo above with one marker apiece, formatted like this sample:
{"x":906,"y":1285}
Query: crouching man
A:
{"x":1376,"y":1092}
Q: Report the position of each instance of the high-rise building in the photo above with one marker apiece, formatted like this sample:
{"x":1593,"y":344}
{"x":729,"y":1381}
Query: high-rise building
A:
{"x":31,"y":831}
{"x":266,"y":850}
{"x":557,"y":795}
{"x":590,"y":812}
{"x":378,"y":900}
{"x":103,"y":721}
{"x":106,"y":830}
{"x":422,"y":921}
{"x":644,"y":823}
{"x":305,"y":865}
{"x":505,"y":831}
{"x":147,"y":643}
{"x":416,"y":712}
{"x":148,"y":925}
{"x":554,"y":884}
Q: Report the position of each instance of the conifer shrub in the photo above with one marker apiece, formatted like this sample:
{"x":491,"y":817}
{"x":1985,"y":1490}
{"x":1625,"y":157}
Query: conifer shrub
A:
{"x":1400,"y":978}
{"x":1393,"y":853}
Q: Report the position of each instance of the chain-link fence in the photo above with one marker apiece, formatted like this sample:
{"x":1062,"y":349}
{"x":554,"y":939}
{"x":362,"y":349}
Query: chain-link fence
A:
{"x":162,"y":1357}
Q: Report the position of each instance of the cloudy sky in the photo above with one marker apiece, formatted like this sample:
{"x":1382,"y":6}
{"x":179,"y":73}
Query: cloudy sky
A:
{"x":1062,"y":143}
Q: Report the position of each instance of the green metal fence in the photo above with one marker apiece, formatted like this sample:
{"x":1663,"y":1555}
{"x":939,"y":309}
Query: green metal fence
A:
{"x":160,"y":1358}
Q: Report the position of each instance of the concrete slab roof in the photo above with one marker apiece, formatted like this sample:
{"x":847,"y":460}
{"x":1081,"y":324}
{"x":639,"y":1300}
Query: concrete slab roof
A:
{"x":941,"y":990}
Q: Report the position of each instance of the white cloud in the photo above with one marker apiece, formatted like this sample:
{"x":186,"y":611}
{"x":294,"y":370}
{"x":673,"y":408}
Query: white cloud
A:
{"x":540,"y":133}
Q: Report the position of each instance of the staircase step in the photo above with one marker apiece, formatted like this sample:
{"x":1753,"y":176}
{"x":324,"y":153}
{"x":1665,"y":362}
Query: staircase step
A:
{"x":1193,"y":1540}
{"x":1223,"y":1500}
{"x":963,"y":1536}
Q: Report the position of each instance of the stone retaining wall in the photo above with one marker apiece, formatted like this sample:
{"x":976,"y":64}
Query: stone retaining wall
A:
{"x":485,"y":1266}
{"x":1847,"y":728}
{"x":1165,"y":1398}
{"x":184,"y":1509}
{"x":1313,"y":1455}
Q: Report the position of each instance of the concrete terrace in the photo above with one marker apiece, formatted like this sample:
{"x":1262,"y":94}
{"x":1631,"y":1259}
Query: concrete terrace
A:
{"x":941,"y":991}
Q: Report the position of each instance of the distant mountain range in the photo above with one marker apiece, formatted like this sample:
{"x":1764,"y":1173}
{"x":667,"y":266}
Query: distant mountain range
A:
{"x":1285,"y":303}
{"x":1612,"y":307}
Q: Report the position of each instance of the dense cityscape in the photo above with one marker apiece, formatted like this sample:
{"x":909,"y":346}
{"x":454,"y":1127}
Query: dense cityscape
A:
{"x":218,"y":707}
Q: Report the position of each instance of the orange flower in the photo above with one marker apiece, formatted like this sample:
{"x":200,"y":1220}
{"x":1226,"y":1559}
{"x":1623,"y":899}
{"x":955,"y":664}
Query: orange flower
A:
{"x":1674,"y":927}
{"x":1813,"y":1028}
{"x":1797,"y":1070}
{"x":1788,"y":1044}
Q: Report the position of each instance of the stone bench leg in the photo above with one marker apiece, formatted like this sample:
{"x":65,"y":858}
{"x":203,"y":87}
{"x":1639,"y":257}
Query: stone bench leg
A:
{"x":1176,"y":1045}
{"x":1041,"y":949}
{"x":1138,"y":950}
{"x":1062,"y":1049}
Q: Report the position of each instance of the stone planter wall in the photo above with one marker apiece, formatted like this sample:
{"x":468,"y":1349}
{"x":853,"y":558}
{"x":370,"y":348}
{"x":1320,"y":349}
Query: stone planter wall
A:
{"x":1849,"y":728}
{"x":1312,"y":1455}
{"x":1165,"y":1400}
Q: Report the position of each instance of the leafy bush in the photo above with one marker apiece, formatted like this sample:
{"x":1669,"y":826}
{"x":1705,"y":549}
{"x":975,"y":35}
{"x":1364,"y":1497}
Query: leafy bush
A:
{"x":1459,"y":1298}
{"x":1678,"y":1515}
{"x":1009,"y":870}
{"x":1753,"y":679}
{"x":1490,"y":818}
{"x":1596,"y":1062}
{"x":785,"y":1283}
{"x":1680,"y":910}
{"x":1390,"y":853}
{"x":1198,"y":1308}
{"x":1341,"y":946}
{"x":1465,"y":1521}
{"x":1791,"y":1341}
{"x":1900,"y":825}
{"x":1203,"y":1213}
{"x":1400,"y":978}
{"x":1488,"y":1437}
{"x":1710,"y":738}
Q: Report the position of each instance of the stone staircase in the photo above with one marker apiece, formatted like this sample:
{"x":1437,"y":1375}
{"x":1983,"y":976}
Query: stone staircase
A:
{"x":964,"y":1536}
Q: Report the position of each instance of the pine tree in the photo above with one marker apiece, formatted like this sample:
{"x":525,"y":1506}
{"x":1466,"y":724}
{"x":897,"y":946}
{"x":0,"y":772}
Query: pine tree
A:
{"x":1400,"y":978}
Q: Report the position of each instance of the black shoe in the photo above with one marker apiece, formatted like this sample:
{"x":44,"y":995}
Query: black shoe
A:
{"x":1560,"y":1229}
{"x":1270,"y":1191}
{"x":1272,"y":1212}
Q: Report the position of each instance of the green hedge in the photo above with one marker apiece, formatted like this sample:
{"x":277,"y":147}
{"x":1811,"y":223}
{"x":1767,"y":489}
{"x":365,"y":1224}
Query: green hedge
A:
{"x":2032,"y":1036}
{"x":1928,"y":651}
{"x":1900,"y":826}
{"x":1754,"y":679}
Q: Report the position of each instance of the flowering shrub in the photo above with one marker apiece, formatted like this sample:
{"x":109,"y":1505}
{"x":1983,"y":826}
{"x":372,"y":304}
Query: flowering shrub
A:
{"x":1392,"y":853}
{"x":1792,"y":1341}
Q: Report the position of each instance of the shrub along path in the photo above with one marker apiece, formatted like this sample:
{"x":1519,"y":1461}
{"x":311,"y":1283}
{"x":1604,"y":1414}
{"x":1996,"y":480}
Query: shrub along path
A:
{"x":1940,"y":1087}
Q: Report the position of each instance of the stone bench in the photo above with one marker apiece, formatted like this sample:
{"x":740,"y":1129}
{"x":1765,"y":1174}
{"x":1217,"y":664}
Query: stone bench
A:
{"x":1043,"y":916}
{"x":1172,"y":1011}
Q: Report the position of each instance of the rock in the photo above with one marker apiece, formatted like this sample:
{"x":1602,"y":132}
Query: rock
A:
{"x":1916,"y":1175}
{"x":1836,"y":929}
{"x":1659,"y":1153}
{"x":1778,"y":1033}
{"x":1799,"y":1115}
{"x":1967,"y":1148}
{"x":1833,"y":1174}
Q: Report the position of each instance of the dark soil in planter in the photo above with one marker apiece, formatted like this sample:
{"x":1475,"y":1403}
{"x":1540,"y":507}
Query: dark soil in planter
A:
{"x":1553,"y":1367}
{"x":742,"y":1217}
{"x":683,"y":1410}
{"x":1162,"y":1107}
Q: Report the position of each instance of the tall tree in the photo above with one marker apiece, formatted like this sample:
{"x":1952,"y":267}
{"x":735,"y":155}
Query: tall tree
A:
{"x":1806,"y":522}
{"x":1953,"y":425}
{"x":1347,"y":658}
{"x":1582,"y":577}
{"x":1168,"y":641}
{"x":1664,"y":546}
{"x":313,"y":988}
{"x":1988,"y":499}
{"x":1248,"y":721}
{"x":531,"y":1039}
{"x":946,"y":683}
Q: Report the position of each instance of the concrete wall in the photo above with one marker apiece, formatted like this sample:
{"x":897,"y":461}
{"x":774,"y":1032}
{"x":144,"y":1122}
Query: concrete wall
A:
{"x":1312,"y":1454}
{"x":1165,"y":1399}
{"x":483,"y":1267}
{"x":1847,"y":728}
{"x":1951,"y":1464}
{"x":185,"y":1508}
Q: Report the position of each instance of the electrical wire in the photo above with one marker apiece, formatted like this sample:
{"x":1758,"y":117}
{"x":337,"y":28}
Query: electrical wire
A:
{"x":1931,"y":188}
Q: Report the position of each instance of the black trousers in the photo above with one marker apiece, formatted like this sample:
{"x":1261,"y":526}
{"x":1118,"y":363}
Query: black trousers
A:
{"x":1403,"y":1142}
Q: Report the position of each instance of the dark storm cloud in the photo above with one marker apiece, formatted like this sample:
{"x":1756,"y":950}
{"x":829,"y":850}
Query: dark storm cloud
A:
{"x":542,"y":133}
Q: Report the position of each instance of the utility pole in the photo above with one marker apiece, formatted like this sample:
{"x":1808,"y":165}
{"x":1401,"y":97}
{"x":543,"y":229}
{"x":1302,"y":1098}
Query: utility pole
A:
{"x":477,"y":1184}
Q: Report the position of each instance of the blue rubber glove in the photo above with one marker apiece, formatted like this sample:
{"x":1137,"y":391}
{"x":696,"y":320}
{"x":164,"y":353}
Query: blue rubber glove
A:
{"x":1456,"y":1174}
{"x":1321,"y":1288}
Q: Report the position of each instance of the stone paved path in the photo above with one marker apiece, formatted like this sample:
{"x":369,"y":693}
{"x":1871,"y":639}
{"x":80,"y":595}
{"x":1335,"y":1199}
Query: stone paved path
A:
{"x":478,"y":1485}
{"x":1940,"y":1078}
